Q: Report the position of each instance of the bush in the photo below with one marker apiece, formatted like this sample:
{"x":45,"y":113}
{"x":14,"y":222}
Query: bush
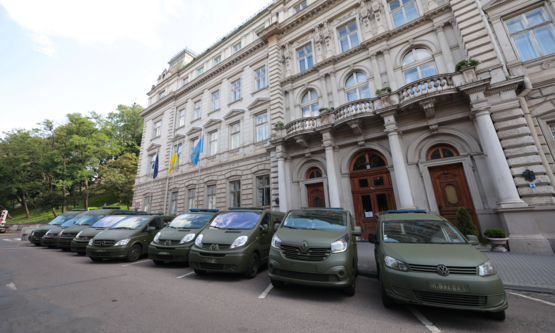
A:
{"x":495,"y":233}
{"x":279,"y":124}
{"x":466,"y":62}
{"x":378,"y":91}
{"x":465,"y":224}
{"x":322,"y":110}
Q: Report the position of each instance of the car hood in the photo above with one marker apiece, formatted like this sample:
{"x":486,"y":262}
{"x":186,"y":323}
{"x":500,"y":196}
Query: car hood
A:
{"x":216,"y":236}
{"x":462,"y":255}
{"x":314,"y":238}
{"x":75,"y":229}
{"x":177,"y":234}
{"x":91,"y":232}
{"x":56,"y":230}
{"x":46,"y":227}
{"x":115,"y":234}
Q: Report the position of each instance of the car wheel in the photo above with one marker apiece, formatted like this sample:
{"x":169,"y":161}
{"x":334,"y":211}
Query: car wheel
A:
{"x":37,"y":244}
{"x":386,"y":300}
{"x":134,"y":253}
{"x":277,"y":284}
{"x":158,"y":262}
{"x":65,"y":249}
{"x":96,"y":259}
{"x":51,"y":246}
{"x":199,"y":272}
{"x":81,"y":253}
{"x":252,"y":270}
{"x":497,"y":315}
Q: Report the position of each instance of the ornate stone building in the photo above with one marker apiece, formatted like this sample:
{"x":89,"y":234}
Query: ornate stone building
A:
{"x":358,"y":104}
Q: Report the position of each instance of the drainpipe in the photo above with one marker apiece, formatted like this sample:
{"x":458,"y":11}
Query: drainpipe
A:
{"x":528,"y":117}
{"x":490,"y":34}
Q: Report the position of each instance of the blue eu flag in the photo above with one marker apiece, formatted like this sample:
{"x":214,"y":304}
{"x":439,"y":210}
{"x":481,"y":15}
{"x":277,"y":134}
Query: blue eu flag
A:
{"x":155,"y":168}
{"x":196,"y":152}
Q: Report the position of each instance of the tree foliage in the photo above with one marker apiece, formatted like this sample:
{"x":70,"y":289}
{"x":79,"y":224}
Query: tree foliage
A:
{"x":465,"y":224}
{"x":118,"y":177}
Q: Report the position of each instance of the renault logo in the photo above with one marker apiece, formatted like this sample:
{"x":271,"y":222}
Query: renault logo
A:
{"x":442,"y":270}
{"x":304,"y":247}
{"x":214,"y":247}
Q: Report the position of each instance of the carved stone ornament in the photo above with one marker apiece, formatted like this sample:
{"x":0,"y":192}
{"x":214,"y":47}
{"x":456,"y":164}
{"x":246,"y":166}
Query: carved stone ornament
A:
{"x":428,"y":107}
{"x":548,"y":65}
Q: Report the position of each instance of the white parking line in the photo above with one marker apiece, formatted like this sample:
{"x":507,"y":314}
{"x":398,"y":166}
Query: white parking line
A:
{"x":182,"y":276}
{"x":423,"y":320}
{"x":532,"y":298}
{"x":265,"y":292}
{"x":137,"y":262}
{"x":11,"y":286}
{"x":11,"y":239}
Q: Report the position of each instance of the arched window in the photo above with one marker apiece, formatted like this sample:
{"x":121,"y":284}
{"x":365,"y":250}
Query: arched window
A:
{"x":358,"y":87}
{"x":442,"y":151}
{"x":313,"y":173}
{"x":419,"y":64}
{"x":368,"y":160}
{"x":309,"y":104}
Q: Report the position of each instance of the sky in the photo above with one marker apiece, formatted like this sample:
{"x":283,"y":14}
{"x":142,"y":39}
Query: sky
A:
{"x":66,"y":56}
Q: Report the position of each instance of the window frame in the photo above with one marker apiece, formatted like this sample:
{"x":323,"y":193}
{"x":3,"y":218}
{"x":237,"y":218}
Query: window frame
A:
{"x":402,"y":9}
{"x":180,"y":145}
{"x":440,"y":147}
{"x":267,"y":197}
{"x":258,"y":125}
{"x":197,"y":107}
{"x":192,"y":200}
{"x":314,"y":169}
{"x":181,"y":118}
{"x":237,"y":192}
{"x":173,"y":204}
{"x":257,"y":31}
{"x":305,"y":57}
{"x":217,"y":60}
{"x":417,"y":63}
{"x":147,"y":207}
{"x":161,"y":94}
{"x":310,"y":103}
{"x":151,"y":161}
{"x":236,"y":90}
{"x":200,"y":71}
{"x":356,"y":86}
{"x":185,"y":81}
{"x":157,"y":130}
{"x":300,"y":7}
{"x":259,"y":77}
{"x":236,"y":133}
{"x":216,"y":101}
{"x":212,"y":143}
{"x":348,"y":35}
{"x":366,"y":152}
{"x":235,"y":49}
{"x":212,"y":196}
{"x":529,"y":30}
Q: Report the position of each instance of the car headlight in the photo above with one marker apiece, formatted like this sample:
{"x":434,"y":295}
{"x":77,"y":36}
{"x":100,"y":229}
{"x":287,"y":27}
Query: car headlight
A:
{"x":60,"y":234}
{"x":395,"y":264}
{"x":487,"y":269}
{"x":79,"y":234}
{"x":340,"y":245}
{"x":198,"y":241}
{"x":240,"y":241}
{"x":91,"y":242}
{"x":187,"y":238}
{"x":122,"y":242}
{"x":156,"y":238}
{"x":276,"y":241}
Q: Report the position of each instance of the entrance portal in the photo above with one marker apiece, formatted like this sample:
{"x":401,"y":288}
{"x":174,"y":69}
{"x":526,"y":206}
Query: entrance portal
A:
{"x":316,"y":195}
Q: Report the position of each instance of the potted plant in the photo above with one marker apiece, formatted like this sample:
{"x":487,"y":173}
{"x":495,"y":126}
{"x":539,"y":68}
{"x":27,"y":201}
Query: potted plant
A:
{"x":383,"y":91}
{"x":279,"y":125}
{"x":497,"y":238}
{"x":322,"y":110}
{"x":466,"y":63}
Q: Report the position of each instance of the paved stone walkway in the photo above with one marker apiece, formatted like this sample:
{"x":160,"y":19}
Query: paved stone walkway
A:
{"x":521,"y":271}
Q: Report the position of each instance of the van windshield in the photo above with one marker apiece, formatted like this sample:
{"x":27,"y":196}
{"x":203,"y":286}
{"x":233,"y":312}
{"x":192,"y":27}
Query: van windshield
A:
{"x":316,"y":220}
{"x":71,"y":222}
{"x":108,"y":221}
{"x":131,"y":223}
{"x":60,"y":219}
{"x":190,"y":221}
{"x":426,"y":232}
{"x":235,"y":220}
{"x":89,"y":219}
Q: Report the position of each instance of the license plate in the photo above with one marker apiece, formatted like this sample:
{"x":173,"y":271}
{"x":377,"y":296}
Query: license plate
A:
{"x":211,"y":260}
{"x":164,"y":253}
{"x":451,"y":287}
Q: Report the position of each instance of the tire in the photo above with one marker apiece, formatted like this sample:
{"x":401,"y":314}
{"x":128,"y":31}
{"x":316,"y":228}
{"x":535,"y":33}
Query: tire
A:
{"x":351,"y":289}
{"x":199,"y":272}
{"x":81,"y":253}
{"x":386,"y":300}
{"x":134,"y":253}
{"x":66,"y":249}
{"x":254,"y":264}
{"x":96,"y":259}
{"x":497,"y":315}
{"x":158,"y":262}
{"x":277,"y":284}
{"x":51,"y":246}
{"x":37,"y":244}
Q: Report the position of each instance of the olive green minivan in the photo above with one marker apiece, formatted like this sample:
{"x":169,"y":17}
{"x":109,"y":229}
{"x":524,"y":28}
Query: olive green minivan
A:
{"x":36,"y":235}
{"x":237,"y":240}
{"x":316,"y":247}
{"x":128,"y":239}
{"x":50,"y":239}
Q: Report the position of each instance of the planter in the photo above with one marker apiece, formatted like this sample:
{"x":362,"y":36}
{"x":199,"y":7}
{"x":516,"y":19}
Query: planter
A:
{"x":469,"y":73}
{"x":326,"y":118}
{"x":497,"y":244}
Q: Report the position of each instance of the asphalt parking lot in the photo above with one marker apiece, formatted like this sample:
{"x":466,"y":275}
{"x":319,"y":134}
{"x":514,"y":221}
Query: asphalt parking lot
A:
{"x":47,"y":290}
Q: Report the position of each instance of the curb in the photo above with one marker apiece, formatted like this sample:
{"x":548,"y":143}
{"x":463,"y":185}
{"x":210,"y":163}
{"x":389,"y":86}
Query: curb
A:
{"x":532,"y":289}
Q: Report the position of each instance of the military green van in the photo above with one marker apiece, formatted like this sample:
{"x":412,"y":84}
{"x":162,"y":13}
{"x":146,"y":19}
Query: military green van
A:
{"x":173,"y":243}
{"x":50,"y":239}
{"x":316,"y":247}
{"x":128,"y":239}
{"x":237,"y":240}
{"x":90,"y":218}
{"x":36,"y":235}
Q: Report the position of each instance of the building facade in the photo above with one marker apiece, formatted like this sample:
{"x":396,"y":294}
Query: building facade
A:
{"x":359,"y":104}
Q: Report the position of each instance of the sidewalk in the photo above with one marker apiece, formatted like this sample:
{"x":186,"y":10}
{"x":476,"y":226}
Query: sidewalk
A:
{"x":519,"y":271}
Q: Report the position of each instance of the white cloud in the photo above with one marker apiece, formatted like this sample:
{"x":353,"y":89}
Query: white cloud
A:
{"x":99,"y":21}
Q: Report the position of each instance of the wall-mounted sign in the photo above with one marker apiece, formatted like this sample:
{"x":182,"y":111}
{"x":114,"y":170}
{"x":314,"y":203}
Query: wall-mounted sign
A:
{"x":533,"y":185}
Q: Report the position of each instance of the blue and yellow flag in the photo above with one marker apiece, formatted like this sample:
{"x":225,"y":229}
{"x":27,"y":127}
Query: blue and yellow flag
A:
{"x":174,"y":159}
{"x":196,"y":152}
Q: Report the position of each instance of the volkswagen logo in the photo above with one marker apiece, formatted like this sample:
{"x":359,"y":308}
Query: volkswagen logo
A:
{"x":442,"y":270}
{"x":304,"y":247}
{"x":214,"y":247}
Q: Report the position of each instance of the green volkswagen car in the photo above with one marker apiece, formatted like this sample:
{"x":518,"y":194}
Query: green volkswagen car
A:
{"x":128,"y":239}
{"x":316,"y":247}
{"x":174,"y":242}
{"x":50,"y":238}
{"x":237,"y":240}
{"x":36,"y":235}
{"x":423,"y":259}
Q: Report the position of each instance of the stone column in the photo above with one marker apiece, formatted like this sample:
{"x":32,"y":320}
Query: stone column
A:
{"x":333,"y":181}
{"x":445,"y":49}
{"x":282,"y":186}
{"x":288,"y":182}
{"x":392,"y":83}
{"x":324,"y":90}
{"x":336,"y":102}
{"x":376,"y":71}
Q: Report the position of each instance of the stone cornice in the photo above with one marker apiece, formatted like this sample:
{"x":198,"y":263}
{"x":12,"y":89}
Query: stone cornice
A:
{"x":495,"y":4}
{"x":507,"y":85}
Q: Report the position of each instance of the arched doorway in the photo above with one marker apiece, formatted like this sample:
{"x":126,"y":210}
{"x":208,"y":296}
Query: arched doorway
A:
{"x":371,"y":188}
{"x":315,"y":191}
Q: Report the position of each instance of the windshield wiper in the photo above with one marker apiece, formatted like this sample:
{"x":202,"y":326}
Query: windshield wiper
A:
{"x":172,"y":227}
{"x":216,"y":227}
{"x":286,"y":226}
{"x":123,"y":228}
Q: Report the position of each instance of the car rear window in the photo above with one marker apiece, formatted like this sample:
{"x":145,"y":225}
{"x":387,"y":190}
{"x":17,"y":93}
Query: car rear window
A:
{"x":190,"y":221}
{"x":316,"y":220}
{"x":236,"y":220}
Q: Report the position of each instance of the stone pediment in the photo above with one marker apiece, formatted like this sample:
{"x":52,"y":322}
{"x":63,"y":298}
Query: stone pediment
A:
{"x":153,"y":146}
{"x":494,"y":4}
{"x":234,"y":113}
{"x":194,"y":130}
{"x":178,"y":137}
{"x":212,"y":122}
{"x":258,"y":102}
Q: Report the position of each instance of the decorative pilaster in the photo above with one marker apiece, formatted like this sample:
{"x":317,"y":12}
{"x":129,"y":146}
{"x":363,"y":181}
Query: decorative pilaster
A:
{"x":334,"y":88}
{"x":376,"y":70}
{"x":445,"y":49}
{"x":283,"y":201}
{"x":392,"y":83}
{"x":333,"y":181}
{"x":274,"y":76}
{"x":324,"y":90}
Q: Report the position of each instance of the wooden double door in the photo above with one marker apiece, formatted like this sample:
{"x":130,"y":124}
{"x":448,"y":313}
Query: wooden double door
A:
{"x":316,"y":195}
{"x":372,"y":192}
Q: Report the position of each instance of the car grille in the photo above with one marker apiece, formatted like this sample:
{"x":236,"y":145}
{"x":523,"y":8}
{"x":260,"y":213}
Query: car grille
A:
{"x":452,"y":269}
{"x":48,"y":241}
{"x":220,"y":246}
{"x":208,"y":254}
{"x":306,"y":276}
{"x":163,"y":257}
{"x":83,"y":238}
{"x":65,"y":241}
{"x":104,"y":243}
{"x":172,"y":242}
{"x":313,"y":254}
{"x":39,"y":233}
{"x":450,"y":299}
{"x":205,"y":265}
{"x":100,"y":254}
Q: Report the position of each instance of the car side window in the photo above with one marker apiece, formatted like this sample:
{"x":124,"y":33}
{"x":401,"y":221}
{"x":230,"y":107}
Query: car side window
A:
{"x":157,"y":223}
{"x":266,"y":221}
{"x":277,"y":221}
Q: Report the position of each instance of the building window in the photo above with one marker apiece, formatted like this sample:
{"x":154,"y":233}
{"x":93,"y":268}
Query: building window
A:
{"x":532,"y":34}
{"x":211,"y":191}
{"x":305,"y":58}
{"x":185,"y":81}
{"x":368,"y":160}
{"x":236,"y":90}
{"x":348,"y":36}
{"x":257,"y":32}
{"x":235,"y":136}
{"x":194,"y":143}
{"x":236,"y":47}
{"x":161,"y":95}
{"x":181,"y":118}
{"x":196,"y":112}
{"x":200,"y":71}
{"x":403,"y":11}
{"x":300,"y":7}
{"x":192,"y":198}
{"x":262,"y":127}
{"x":215,"y":101}
{"x":358,"y":85}
{"x":309,"y":104}
{"x":260,"y":78}
{"x":313,"y":173}
{"x":552,"y":128}
{"x":148,"y":204}
{"x":217,"y":60}
{"x":213,"y":141}
{"x":173,"y":207}
{"x":235,"y":194}
{"x":442,"y":151}
{"x":423,"y":69}
{"x":151,"y":164}
{"x":157,"y":129}
{"x":263,"y":188}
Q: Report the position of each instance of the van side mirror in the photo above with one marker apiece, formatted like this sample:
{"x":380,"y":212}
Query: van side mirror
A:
{"x":357,"y":231}
{"x":150,"y":228}
{"x":473,"y":240}
{"x":373,"y":239}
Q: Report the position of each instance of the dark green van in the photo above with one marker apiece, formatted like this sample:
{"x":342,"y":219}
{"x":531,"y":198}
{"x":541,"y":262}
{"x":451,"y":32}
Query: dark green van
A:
{"x":316,"y":247}
{"x":50,"y":238}
{"x":36,"y":235}
{"x":128,"y":239}
{"x":236,"y":241}
{"x":173,"y":243}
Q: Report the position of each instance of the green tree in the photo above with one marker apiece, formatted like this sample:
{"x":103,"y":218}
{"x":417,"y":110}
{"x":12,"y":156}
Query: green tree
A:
{"x":126,"y":126}
{"x":118,"y":177}
{"x":465,"y":224}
